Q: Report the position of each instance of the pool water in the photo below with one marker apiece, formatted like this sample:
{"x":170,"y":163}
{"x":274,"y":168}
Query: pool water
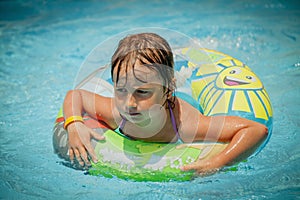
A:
{"x":43,"y":44}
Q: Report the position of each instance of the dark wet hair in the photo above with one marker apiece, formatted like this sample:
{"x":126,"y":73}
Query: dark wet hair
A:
{"x":152,"y":51}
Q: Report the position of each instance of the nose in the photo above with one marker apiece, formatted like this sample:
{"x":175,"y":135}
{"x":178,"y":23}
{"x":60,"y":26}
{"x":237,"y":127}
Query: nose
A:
{"x":131,"y":101}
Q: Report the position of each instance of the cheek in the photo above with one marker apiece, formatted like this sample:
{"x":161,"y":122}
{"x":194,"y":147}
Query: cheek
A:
{"x":147,"y":104}
{"x":118,"y":103}
{"x":159,"y":99}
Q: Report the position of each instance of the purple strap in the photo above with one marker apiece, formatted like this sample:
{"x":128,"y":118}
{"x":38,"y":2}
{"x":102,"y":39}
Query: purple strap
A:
{"x":122,"y":124}
{"x":173,"y":121}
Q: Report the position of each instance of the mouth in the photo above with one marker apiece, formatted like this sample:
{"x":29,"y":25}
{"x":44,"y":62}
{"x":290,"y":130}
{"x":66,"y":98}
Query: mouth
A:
{"x":133,"y":114}
{"x":231,"y":81}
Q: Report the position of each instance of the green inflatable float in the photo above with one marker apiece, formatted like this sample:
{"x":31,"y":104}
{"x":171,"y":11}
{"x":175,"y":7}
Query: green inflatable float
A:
{"x":222,"y":86}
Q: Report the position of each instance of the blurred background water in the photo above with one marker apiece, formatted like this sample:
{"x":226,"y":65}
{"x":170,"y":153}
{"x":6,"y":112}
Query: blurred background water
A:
{"x":43,"y":43}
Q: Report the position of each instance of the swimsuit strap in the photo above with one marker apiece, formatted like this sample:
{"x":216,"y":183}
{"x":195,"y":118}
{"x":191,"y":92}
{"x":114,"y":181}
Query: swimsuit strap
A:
{"x":123,"y":122}
{"x":174,"y":121}
{"x":119,"y":130}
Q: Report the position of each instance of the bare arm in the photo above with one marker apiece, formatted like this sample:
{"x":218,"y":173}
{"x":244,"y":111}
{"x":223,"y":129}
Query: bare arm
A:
{"x":243,"y":136}
{"x":76,"y":102}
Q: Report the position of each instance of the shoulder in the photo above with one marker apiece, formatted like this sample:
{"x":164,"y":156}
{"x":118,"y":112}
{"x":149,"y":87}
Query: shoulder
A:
{"x":189,"y":120}
{"x":184,"y":108}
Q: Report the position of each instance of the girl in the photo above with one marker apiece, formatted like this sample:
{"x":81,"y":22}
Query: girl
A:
{"x":144,"y":108}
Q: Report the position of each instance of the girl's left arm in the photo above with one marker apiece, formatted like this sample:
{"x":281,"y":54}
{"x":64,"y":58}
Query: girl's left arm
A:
{"x":243,"y":136}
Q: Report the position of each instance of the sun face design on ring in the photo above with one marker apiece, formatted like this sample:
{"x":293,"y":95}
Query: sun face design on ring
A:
{"x":228,"y":86}
{"x":238,"y":78}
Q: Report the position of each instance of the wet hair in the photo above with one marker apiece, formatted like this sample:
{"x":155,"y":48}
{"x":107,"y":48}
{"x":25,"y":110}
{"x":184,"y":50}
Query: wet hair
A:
{"x":152,"y":51}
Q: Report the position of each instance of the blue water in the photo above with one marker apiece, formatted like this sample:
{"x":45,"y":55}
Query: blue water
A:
{"x":43,"y":43}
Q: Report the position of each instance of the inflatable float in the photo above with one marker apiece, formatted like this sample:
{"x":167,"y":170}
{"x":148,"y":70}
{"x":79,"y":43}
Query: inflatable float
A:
{"x":213,"y":82}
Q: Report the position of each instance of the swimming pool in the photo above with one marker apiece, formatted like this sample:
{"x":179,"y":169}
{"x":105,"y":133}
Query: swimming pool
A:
{"x":44,"y":43}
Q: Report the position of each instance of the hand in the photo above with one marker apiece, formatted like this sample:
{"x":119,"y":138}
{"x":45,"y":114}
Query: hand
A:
{"x":80,"y":143}
{"x":203,"y":167}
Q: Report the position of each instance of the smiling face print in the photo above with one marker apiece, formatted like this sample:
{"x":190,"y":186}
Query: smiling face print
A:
{"x":238,"y":78}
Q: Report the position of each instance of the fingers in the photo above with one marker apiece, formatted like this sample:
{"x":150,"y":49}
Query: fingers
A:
{"x":202,"y":169}
{"x":89,"y":146}
{"x":80,"y":155}
{"x":96,"y":135}
{"x":181,"y":146}
{"x":81,"y":148}
{"x":84,"y":157}
{"x":77,"y":156}
{"x":91,"y":152}
{"x":71,"y":155}
{"x":189,"y":167}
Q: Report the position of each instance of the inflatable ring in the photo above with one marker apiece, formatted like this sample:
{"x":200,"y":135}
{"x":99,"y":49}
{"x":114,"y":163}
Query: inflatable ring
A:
{"x":214,"y":83}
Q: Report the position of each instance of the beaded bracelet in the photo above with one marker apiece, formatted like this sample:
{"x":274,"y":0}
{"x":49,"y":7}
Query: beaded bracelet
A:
{"x":72,"y":119}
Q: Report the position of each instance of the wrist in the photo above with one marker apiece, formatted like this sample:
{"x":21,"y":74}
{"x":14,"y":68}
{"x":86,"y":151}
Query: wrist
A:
{"x":71,"y":120}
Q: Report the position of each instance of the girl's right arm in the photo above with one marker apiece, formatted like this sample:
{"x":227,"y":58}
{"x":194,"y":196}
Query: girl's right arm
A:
{"x":75,"y":104}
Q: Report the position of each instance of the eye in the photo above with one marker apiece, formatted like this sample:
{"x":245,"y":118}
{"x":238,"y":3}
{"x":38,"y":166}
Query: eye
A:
{"x":252,"y":78}
{"x":232,"y":72}
{"x":143,"y":93}
{"x":121,"y":90}
{"x":235,"y":71}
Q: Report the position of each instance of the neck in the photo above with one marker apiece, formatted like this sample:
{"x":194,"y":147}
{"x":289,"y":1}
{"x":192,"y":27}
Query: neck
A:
{"x":158,"y":128}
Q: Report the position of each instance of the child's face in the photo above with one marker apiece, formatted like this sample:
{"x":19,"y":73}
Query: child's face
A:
{"x":139,"y":94}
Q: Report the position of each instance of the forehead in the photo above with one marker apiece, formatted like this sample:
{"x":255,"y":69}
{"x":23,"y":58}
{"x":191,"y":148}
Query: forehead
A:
{"x":137,"y":75}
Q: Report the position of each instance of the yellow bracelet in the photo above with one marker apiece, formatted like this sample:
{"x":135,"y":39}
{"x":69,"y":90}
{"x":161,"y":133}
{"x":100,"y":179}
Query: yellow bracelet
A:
{"x":72,"y":119}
